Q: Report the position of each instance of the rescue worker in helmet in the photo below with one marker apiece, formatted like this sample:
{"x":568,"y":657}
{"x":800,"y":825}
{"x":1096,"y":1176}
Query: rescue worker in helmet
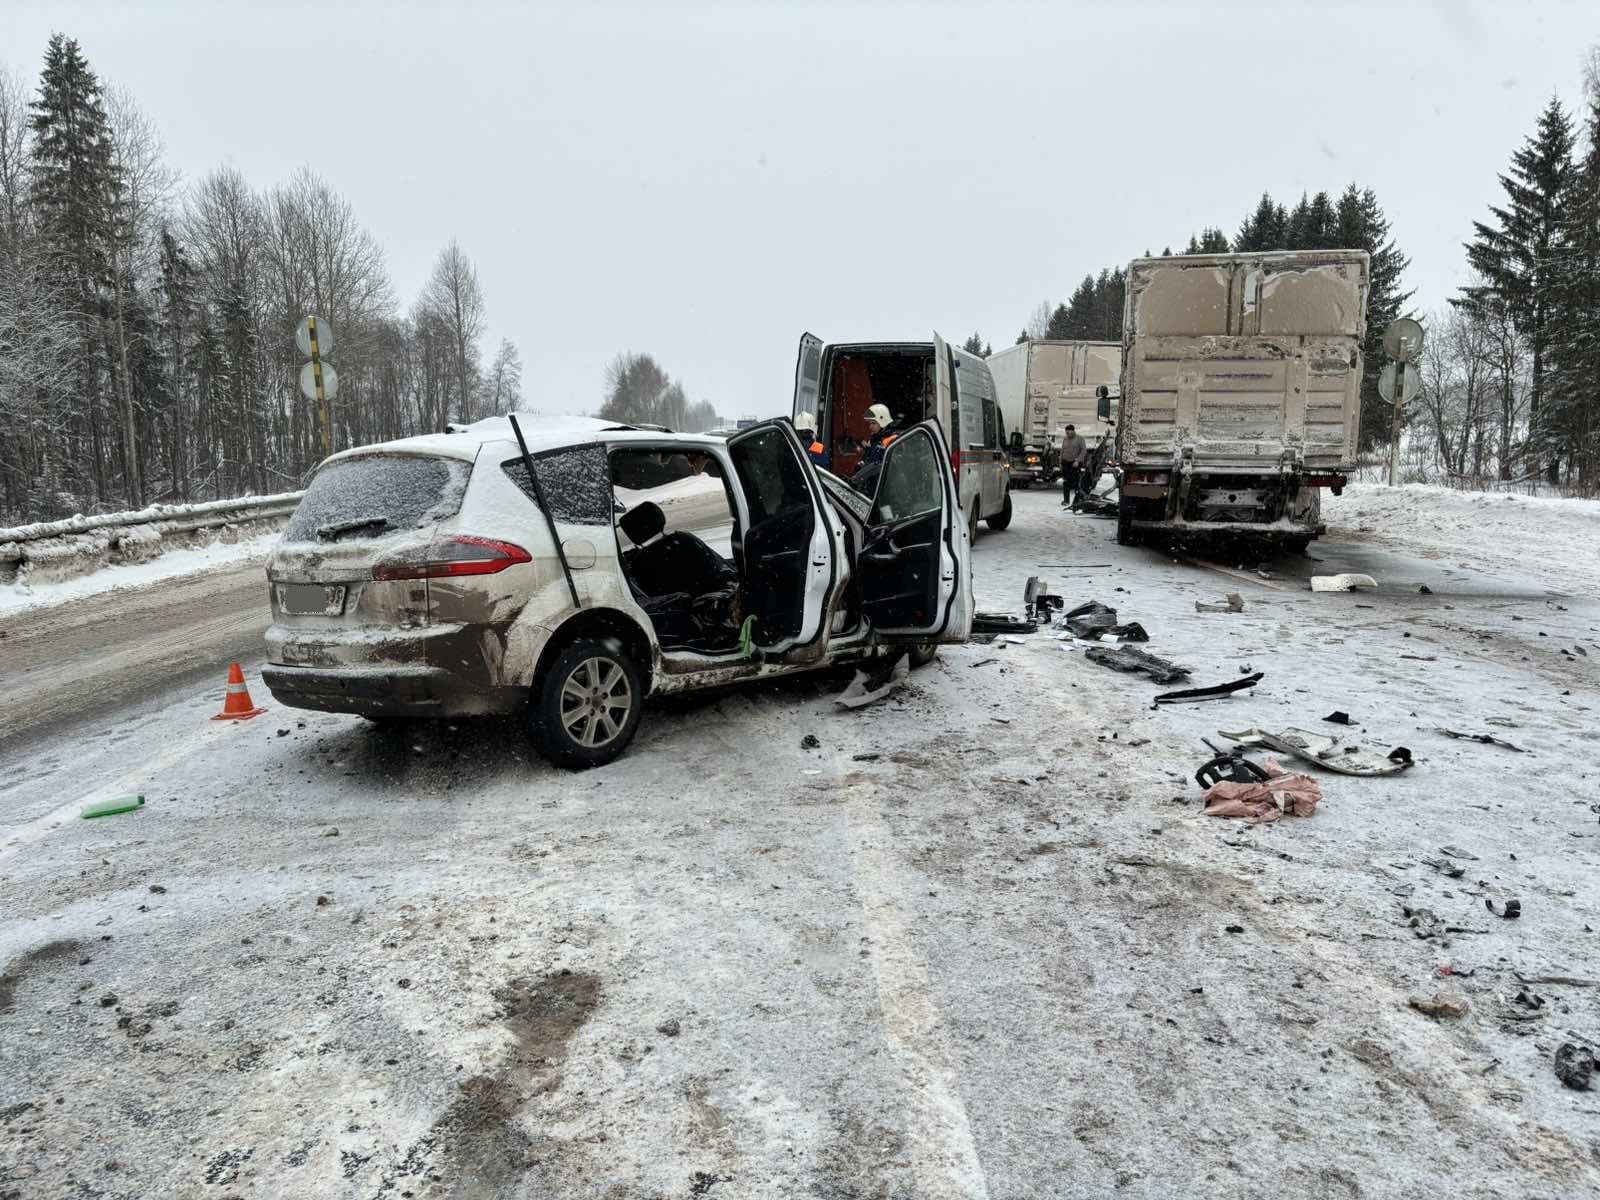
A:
{"x":806,"y":426}
{"x":880,"y":433}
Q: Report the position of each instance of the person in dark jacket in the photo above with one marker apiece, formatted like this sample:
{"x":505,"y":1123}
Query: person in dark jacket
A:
{"x":880,"y":433}
{"x":1074,"y":455}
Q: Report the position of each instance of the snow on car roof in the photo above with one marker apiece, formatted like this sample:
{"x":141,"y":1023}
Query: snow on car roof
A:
{"x":541,"y":432}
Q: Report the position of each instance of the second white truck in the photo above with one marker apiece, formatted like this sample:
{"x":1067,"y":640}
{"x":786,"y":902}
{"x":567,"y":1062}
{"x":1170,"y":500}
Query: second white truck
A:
{"x":1044,"y":386}
{"x":1241,"y":396}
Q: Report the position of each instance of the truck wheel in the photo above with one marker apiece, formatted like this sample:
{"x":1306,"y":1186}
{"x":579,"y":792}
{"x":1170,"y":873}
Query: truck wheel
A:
{"x":585,"y":708}
{"x":1127,"y":535}
{"x":1002,"y":518}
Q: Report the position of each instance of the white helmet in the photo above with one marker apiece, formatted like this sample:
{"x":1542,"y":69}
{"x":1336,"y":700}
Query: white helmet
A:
{"x":879,"y":413}
{"x":806,"y":421}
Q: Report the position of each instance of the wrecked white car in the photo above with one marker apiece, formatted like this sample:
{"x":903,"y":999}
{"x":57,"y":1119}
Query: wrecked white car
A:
{"x":568,"y":572}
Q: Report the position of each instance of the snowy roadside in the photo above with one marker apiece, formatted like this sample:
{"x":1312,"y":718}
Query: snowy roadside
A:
{"x":16,"y":598}
{"x":1555,"y":541}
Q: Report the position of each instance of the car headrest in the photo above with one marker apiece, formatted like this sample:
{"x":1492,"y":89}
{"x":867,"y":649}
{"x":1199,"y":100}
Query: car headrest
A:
{"x":643,"y":521}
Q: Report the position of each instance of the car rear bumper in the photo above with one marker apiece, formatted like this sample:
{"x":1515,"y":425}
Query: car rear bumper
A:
{"x":388,"y":691}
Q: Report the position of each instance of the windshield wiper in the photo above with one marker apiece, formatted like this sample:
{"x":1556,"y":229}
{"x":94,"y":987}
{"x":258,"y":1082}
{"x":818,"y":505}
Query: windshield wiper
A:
{"x":329,"y":533}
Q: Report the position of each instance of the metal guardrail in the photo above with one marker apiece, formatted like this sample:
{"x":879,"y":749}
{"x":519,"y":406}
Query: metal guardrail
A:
{"x":174,"y":517}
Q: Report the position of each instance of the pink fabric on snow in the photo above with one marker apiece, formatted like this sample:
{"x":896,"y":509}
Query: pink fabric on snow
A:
{"x":1283,"y":792}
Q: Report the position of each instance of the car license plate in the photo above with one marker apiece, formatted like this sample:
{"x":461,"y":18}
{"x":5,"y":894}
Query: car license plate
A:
{"x":311,"y":599}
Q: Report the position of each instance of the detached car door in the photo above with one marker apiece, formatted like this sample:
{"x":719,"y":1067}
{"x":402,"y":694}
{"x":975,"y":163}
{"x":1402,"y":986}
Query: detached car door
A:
{"x":787,"y":548}
{"x":914,"y":565}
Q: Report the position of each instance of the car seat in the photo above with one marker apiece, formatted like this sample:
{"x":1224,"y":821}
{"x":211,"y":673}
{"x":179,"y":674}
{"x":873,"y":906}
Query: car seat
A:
{"x":678,"y":561}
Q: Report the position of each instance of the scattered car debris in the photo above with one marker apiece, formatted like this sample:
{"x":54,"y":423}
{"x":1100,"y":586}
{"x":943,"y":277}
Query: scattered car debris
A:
{"x":810,"y":742}
{"x":1126,"y":658}
{"x":1458,"y":852}
{"x":1231,"y":603}
{"x":1484,"y":738}
{"x":984,"y":662}
{"x":1421,"y":657}
{"x":1574,"y":1066}
{"x":1509,"y":909}
{"x":869,"y":756}
{"x":1230,"y":765}
{"x":1281,"y":793}
{"x":1424,"y":922}
{"x":1324,"y":751}
{"x":1038,"y":600}
{"x":870,"y":686}
{"x":671,"y":1027}
{"x":983,"y":622}
{"x":111,"y":806}
{"x":1088,"y":619}
{"x":1425,"y":590}
{"x":1216,"y":691}
{"x":1348,"y":582}
{"x":1438,"y":1005}
{"x":1338,"y":717}
{"x":1445,"y":867}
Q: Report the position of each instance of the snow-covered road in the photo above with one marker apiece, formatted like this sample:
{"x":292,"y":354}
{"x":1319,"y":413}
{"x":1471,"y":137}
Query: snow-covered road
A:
{"x":978,"y":944}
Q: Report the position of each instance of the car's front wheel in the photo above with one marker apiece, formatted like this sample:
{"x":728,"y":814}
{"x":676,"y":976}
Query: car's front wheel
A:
{"x":586,"y":706}
{"x":923,"y":654}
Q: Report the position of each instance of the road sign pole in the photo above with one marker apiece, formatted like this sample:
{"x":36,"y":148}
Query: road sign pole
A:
{"x":1394,"y":421}
{"x":322,"y":399}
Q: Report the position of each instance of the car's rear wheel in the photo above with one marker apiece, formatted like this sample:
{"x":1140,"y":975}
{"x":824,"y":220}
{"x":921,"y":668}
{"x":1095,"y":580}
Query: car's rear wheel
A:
{"x":1002,"y":518}
{"x":586,"y":706}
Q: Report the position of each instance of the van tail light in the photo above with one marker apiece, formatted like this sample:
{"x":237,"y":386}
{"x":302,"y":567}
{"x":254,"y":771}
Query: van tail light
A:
{"x":463,"y":555}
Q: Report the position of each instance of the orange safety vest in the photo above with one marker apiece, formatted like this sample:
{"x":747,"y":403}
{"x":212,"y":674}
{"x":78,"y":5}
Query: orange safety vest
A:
{"x":815,"y":448}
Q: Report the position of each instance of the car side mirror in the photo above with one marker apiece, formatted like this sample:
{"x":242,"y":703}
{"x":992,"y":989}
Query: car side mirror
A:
{"x":1102,"y":402}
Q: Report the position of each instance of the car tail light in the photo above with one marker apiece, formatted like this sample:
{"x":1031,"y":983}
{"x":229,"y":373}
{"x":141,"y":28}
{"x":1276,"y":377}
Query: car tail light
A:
{"x":463,"y":555}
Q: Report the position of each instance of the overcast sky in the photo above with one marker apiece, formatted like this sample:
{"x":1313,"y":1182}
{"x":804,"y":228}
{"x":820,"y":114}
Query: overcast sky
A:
{"x":704,"y":181}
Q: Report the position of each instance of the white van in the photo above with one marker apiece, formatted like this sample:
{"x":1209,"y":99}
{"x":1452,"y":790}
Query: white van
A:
{"x":916,"y":381}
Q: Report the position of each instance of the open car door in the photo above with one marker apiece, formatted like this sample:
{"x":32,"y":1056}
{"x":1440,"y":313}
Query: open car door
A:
{"x":786,"y":549}
{"x":914,"y":566}
{"x":807,"y":376}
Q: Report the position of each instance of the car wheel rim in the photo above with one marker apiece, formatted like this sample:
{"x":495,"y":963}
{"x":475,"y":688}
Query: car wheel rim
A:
{"x":596,"y":700}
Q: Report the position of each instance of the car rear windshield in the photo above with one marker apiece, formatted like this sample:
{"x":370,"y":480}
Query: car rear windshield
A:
{"x":377,"y":495}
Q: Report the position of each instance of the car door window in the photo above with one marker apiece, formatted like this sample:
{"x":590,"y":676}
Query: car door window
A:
{"x":576,"y":483}
{"x":909,"y":486}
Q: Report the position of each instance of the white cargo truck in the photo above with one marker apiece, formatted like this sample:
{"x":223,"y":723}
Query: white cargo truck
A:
{"x":1044,"y":386}
{"x":1241,"y":392}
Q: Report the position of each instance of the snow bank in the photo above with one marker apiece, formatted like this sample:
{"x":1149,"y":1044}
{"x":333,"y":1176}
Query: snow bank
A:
{"x":16,"y":597}
{"x":1556,"y":540}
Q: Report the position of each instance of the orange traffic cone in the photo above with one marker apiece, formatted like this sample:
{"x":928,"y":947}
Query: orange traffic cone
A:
{"x":238,"y":706}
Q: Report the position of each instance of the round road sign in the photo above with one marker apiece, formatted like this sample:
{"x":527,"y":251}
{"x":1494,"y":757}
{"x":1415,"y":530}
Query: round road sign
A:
{"x":1402,"y":340}
{"x":1410,"y":382}
{"x":308,"y":382}
{"x":302,"y":336}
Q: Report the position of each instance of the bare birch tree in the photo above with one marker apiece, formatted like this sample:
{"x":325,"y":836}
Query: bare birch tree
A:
{"x":452,"y":296}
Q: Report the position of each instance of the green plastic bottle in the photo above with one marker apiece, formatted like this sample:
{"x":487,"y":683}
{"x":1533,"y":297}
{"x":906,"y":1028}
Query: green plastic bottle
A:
{"x":112,"y":806}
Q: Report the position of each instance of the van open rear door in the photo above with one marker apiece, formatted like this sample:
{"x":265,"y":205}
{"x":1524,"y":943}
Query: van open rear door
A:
{"x":807,"y":376}
{"x":914,"y":564}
